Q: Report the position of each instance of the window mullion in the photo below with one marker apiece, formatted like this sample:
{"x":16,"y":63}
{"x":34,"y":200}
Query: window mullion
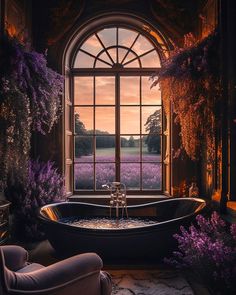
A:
{"x":117,"y":127}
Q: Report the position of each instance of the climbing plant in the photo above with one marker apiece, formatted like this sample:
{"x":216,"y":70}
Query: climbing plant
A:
{"x":190,"y":81}
{"x":29,"y":101}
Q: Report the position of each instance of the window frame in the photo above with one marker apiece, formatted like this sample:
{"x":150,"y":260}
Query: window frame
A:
{"x":128,"y":21}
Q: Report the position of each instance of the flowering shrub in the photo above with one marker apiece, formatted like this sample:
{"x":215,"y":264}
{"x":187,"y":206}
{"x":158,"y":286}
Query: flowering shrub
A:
{"x":44,"y":185}
{"x":29,"y":100}
{"x":130,"y":173}
{"x":209,"y":250}
{"x":190,"y":80}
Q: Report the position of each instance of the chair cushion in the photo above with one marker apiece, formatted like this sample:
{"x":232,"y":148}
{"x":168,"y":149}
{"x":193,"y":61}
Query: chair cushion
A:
{"x":30,"y":267}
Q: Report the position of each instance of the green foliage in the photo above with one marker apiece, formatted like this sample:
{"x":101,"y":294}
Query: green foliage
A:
{"x":153,"y":126}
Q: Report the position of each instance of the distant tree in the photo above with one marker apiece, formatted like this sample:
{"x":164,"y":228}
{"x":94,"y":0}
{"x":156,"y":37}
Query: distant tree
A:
{"x":123,"y":142}
{"x":83,"y":145}
{"x":104,"y":140}
{"x":79,"y":125}
{"x":153,"y":126}
{"x":131,"y":142}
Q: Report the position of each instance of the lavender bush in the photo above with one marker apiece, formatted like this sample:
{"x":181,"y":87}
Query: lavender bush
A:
{"x":130,"y":173}
{"x":29,"y":100}
{"x":43,"y":186}
{"x":209,"y":250}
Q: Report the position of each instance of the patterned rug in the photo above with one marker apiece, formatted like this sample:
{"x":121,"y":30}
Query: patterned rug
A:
{"x":149,"y":282}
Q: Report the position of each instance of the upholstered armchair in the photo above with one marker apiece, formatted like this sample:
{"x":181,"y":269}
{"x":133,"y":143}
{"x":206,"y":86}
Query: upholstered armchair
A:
{"x":78,"y":275}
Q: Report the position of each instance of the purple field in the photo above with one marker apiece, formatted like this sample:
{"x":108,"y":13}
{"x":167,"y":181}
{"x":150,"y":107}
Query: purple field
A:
{"x":130,"y":172}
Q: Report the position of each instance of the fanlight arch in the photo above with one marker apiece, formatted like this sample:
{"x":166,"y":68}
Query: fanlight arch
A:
{"x":117,"y":47}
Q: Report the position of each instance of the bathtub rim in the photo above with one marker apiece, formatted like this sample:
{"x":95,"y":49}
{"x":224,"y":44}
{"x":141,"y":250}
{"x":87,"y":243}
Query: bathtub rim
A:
{"x":119,"y":230}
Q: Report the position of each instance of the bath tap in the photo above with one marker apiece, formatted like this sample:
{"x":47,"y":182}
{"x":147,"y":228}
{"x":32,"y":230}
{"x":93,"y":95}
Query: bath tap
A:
{"x":117,"y":197}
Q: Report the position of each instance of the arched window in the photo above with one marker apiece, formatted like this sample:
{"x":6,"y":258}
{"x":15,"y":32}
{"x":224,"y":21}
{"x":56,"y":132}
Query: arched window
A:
{"x":117,"y":125}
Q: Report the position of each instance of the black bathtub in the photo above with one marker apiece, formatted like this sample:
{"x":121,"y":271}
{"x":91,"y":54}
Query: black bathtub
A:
{"x":149,"y":242}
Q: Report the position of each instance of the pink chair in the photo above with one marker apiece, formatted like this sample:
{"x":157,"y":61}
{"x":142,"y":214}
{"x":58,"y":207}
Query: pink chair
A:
{"x":78,"y":275}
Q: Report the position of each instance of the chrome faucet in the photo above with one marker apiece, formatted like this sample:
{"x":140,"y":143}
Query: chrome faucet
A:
{"x":117,"y":197}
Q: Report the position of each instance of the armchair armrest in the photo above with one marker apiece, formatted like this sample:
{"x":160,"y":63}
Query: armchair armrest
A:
{"x":15,"y":257}
{"x":57,"y":275}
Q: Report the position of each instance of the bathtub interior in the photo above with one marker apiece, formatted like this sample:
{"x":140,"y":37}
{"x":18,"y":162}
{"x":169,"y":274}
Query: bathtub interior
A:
{"x":159,"y":211}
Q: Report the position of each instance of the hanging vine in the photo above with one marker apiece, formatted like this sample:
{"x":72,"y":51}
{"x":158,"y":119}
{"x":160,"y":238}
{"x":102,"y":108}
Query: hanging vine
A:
{"x":29,"y":100}
{"x":190,"y":80}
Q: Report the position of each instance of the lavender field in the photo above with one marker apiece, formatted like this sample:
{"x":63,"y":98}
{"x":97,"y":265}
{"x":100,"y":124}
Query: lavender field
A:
{"x":132,"y":172}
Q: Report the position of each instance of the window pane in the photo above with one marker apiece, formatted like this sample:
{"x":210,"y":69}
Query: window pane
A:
{"x":142,"y":45}
{"x":100,"y":64}
{"x":105,"y":148}
{"x":92,"y":45}
{"x":151,"y":119}
{"x":130,"y":175}
{"x":83,"y":119}
{"x":130,"y":120}
{"x":130,"y":90}
{"x":83,"y":60}
{"x":121,"y":52}
{"x":129,"y":57}
{"x":126,"y":37}
{"x":151,"y":148}
{"x":105,"y":119}
{"x":152,"y":176}
{"x":133,"y":64}
{"x":113,"y":54}
{"x":108,"y":36}
{"x":104,"y":173}
{"x":150,"y":96}
{"x":83,"y":90}
{"x":83,"y":175}
{"x":105,"y":90}
{"x":104,"y":56}
{"x":130,"y":148}
{"x":151,"y":60}
{"x":83,"y":149}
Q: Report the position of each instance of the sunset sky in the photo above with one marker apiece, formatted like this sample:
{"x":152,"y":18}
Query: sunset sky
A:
{"x":131,"y":96}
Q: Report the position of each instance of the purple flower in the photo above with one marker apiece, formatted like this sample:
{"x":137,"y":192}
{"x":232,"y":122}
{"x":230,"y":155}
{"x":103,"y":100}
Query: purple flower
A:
{"x":44,"y":185}
{"x":209,"y":250}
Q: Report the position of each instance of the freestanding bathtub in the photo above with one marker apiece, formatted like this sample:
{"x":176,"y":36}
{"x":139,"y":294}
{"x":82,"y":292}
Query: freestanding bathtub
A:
{"x":149,"y":242}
